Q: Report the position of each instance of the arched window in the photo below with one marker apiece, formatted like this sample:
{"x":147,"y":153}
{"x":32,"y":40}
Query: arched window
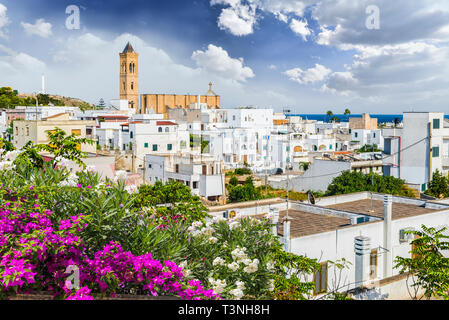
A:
{"x":167,"y":129}
{"x":132,"y":85}
{"x":124,"y":86}
{"x":159,"y":129}
{"x":134,"y":66}
{"x":124,"y":68}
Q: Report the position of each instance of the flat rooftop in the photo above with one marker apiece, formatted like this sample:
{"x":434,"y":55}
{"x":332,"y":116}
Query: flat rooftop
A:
{"x":305,"y":223}
{"x":400,"y":210}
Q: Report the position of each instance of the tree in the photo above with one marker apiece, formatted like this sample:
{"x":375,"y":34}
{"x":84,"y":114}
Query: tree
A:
{"x":350,"y":182}
{"x":347,"y":112}
{"x":330,"y":114}
{"x":68,"y":147}
{"x":334,"y":119}
{"x":233,"y":181}
{"x":438,"y":186}
{"x":171,"y":200}
{"x":428,"y":264}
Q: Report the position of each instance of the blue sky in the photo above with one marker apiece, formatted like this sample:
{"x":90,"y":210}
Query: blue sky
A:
{"x":308,"y":55}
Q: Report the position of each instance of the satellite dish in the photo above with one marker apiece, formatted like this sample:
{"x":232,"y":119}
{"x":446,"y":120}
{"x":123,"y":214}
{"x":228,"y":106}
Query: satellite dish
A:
{"x":311,"y":198}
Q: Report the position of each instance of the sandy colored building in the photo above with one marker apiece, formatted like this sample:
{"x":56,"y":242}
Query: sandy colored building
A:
{"x":365,"y":122}
{"x":160,"y":103}
{"x":32,"y":130}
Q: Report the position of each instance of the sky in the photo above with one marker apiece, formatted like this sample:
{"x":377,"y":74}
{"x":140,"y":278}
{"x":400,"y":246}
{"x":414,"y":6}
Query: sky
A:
{"x":308,"y":56}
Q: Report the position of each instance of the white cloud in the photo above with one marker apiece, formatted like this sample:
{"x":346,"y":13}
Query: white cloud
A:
{"x":311,"y":75}
{"x":413,"y":71}
{"x":40,"y":28}
{"x":240,"y":16}
{"x":300,"y":27}
{"x":4,"y":20}
{"x":217,"y":60}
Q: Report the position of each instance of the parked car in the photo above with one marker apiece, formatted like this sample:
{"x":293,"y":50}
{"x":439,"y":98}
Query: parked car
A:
{"x":278,"y":171}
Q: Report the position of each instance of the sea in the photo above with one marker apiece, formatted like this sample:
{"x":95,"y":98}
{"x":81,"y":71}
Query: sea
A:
{"x":381,"y":118}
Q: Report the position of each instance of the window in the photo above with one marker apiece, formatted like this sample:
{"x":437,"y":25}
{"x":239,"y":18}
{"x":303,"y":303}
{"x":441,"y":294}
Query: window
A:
{"x":132,"y":85}
{"x":320,"y":279}
{"x":159,"y":129}
{"x":169,"y":147}
{"x":28,"y":131}
{"x":356,"y":134}
{"x":150,"y":166}
{"x":177,"y":168}
{"x":195,"y":184}
{"x":374,"y":135}
{"x":76,"y":132}
{"x":373,"y":264}
{"x":436,"y":123}
{"x":167,"y":129}
{"x":154,"y":147}
{"x":131,"y":135}
{"x":287,"y":149}
{"x":435,"y":152}
{"x":146,"y":145}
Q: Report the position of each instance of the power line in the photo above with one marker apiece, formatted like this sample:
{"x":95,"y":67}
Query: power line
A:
{"x":383,"y":158}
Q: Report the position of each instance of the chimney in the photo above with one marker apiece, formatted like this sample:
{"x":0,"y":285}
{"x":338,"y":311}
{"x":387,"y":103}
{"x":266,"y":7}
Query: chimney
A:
{"x":287,"y":240}
{"x":362,"y":254}
{"x":388,"y":209}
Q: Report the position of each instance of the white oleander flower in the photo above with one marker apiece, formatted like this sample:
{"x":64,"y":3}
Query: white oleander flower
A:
{"x":240,"y":285}
{"x":218,"y":262}
{"x":131,"y":189}
{"x":271,"y":285}
{"x":234,"y":266}
{"x":217,"y":285}
{"x":237,"y":293}
{"x":251,"y":268}
{"x":213,"y":240}
{"x":218,"y":219}
{"x":120,"y":175}
{"x":270,"y":266}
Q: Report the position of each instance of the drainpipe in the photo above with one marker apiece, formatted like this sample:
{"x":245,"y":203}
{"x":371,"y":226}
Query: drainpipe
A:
{"x":430,"y":151}
{"x":388,"y":206}
{"x":287,"y":240}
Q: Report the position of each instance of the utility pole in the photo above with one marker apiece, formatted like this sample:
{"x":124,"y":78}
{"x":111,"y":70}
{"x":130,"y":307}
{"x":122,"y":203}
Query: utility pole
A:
{"x":288,"y":159}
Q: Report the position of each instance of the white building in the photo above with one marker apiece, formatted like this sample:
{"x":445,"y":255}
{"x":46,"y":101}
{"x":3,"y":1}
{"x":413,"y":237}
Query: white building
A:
{"x":368,"y":137}
{"x":418,"y":149}
{"x":202,"y":173}
{"x":366,"y":230}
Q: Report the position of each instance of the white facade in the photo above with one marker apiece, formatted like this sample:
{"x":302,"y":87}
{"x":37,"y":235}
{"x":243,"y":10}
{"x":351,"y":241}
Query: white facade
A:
{"x":369,"y":137}
{"x":418,"y":149}
{"x":202,"y":173}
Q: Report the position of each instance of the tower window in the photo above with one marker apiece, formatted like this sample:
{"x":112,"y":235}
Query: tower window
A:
{"x":130,"y":67}
{"x":134,"y":66}
{"x":132,"y":85}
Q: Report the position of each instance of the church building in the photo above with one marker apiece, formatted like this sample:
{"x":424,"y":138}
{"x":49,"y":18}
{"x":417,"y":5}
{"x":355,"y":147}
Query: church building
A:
{"x":155,"y":102}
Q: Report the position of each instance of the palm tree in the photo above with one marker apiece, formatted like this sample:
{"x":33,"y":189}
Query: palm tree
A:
{"x":330,"y":114}
{"x":347,"y":112}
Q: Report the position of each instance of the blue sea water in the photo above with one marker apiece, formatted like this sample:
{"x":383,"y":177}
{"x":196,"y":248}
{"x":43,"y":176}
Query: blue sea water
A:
{"x":381,"y":118}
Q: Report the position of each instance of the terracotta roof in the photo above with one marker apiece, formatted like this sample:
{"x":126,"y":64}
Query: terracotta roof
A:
{"x":55,"y":115}
{"x":128,"y":48}
{"x":305,"y":223}
{"x":400,"y":210}
{"x":166,"y":123}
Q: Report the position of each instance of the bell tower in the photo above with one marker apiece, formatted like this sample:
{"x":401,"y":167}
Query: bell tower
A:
{"x":129,"y":77}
